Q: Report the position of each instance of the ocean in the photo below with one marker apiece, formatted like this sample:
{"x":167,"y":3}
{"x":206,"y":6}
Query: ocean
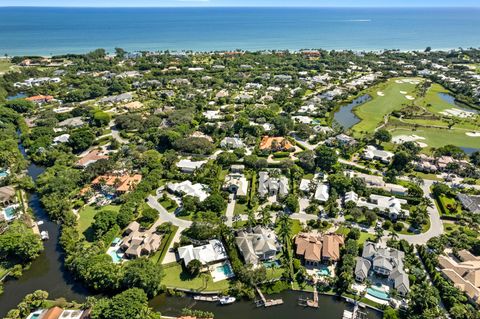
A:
{"x":50,"y":31}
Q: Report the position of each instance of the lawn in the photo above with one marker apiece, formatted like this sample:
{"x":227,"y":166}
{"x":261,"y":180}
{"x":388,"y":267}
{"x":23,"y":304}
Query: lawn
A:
{"x":87,"y":213}
{"x":432,"y":100}
{"x":5,"y":65}
{"x":373,"y":112}
{"x":165,"y":244}
{"x":175,"y":277}
{"x":169,"y":204}
{"x":444,"y":202}
{"x":435,"y":137}
{"x":342,"y":230}
{"x":240,"y":209}
{"x":296,"y":227}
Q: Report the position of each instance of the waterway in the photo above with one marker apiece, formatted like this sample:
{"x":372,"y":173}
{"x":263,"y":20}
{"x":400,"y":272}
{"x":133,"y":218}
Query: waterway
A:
{"x":47,"y":272}
{"x":329,"y":308}
{"x":345,"y":116}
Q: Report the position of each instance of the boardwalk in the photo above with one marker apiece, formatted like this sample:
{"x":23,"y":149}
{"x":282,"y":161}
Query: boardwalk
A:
{"x":267,"y":302}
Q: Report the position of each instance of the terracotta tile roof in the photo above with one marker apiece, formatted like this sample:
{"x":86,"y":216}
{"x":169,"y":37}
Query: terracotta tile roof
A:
{"x":39,"y":98}
{"x":279,"y":143}
{"x":331,"y":246}
{"x":53,"y":313}
{"x":122,"y":183}
{"x":90,"y":158}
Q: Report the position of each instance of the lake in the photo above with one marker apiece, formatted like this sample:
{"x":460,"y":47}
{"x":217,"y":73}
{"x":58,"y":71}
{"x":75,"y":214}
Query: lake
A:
{"x":345,"y":116}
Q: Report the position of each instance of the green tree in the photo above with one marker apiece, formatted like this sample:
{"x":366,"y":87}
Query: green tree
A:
{"x":382,"y":135}
{"x":145,"y":274}
{"x":81,"y":139}
{"x":326,"y":157}
{"x":194,"y":267}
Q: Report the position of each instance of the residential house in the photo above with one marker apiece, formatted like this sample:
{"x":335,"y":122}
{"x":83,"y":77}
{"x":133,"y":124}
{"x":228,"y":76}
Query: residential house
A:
{"x":138,"y":242}
{"x":470,"y":202}
{"x":188,"y":166}
{"x":207,"y":254}
{"x":341,"y":140}
{"x":7,"y":195}
{"x":232,"y":143}
{"x":120,"y":98}
{"x":321,"y":193}
{"x":317,"y":248}
{"x":257,"y":245}
{"x":236,"y":183}
{"x":90,"y":158}
{"x":74,"y":122}
{"x":372,"y":153}
{"x":377,"y":182}
{"x":61,"y":139}
{"x":272,"y":186}
{"x":237,"y":168}
{"x":425,"y":164}
{"x":389,"y":206}
{"x":40,"y":99}
{"x":383,"y":262}
{"x":187,"y":188}
{"x":275,"y":144}
{"x":464,"y":274}
{"x":119,"y":183}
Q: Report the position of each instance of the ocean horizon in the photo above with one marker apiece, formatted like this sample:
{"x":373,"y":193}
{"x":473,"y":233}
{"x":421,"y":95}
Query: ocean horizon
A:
{"x":61,"y":30}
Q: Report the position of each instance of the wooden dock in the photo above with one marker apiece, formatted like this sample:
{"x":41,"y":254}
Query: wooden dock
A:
{"x":313,"y":303}
{"x":267,"y":302}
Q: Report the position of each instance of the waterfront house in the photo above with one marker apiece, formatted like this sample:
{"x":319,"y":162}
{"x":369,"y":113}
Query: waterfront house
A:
{"x":138,"y":242}
{"x":207,"y":254}
{"x":385,"y":263}
{"x":257,"y":245}
{"x":317,"y":248}
{"x":7,"y":195}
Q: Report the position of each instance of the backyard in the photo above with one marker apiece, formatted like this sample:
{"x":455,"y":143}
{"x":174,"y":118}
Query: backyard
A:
{"x":87,"y":214}
{"x":175,"y":277}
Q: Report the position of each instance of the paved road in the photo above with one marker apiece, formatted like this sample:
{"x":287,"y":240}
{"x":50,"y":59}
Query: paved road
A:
{"x":165,"y":215}
{"x":116,"y":133}
{"x":436,"y":226}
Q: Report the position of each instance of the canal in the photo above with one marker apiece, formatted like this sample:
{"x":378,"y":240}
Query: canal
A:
{"x":329,"y":308}
{"x":47,"y":272}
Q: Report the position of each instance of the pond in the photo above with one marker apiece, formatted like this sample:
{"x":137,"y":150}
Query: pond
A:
{"x":345,"y":116}
{"x":329,"y":308}
{"x":47,"y":272}
{"x":454,"y":102}
{"x":16,"y":96}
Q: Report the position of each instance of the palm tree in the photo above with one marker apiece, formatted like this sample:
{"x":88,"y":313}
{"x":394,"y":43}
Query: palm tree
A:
{"x":378,"y":233}
{"x":393,"y":235}
{"x":266,"y":217}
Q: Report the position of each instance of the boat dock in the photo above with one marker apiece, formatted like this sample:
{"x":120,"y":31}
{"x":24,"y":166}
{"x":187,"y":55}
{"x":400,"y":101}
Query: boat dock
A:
{"x":267,"y":302}
{"x":355,"y":314}
{"x":206,"y":298}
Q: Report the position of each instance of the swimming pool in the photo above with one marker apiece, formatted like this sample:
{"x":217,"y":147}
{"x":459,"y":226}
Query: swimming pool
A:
{"x":3,"y":174}
{"x":324,"y":271}
{"x":9,"y":213}
{"x":115,"y":256}
{"x":225,"y":269}
{"x":377,"y":293}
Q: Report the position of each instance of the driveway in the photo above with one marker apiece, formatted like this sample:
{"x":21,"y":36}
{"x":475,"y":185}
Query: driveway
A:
{"x":230,"y":210}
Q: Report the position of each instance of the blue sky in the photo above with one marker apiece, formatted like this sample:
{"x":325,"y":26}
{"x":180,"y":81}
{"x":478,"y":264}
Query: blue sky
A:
{"x":246,"y":3}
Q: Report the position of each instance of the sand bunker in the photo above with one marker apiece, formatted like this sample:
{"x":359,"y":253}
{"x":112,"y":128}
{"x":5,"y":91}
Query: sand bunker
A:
{"x":458,"y":113}
{"x":403,"y":92}
{"x":380,"y":93}
{"x":409,"y":97}
{"x":473,"y":134}
{"x":408,"y":81}
{"x":400,"y":139}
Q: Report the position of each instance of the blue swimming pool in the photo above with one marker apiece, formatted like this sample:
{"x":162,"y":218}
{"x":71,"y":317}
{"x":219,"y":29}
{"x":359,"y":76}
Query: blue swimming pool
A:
{"x":323,"y":271}
{"x":3,"y":173}
{"x":377,"y":293}
{"x":9,"y":213}
{"x":225,"y":269}
{"x":115,"y":257}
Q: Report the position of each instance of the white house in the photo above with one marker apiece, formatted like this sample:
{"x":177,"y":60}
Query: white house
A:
{"x":372,"y":153}
{"x":321,"y":193}
{"x":212,"y":252}
{"x":187,"y":188}
{"x":188,"y":166}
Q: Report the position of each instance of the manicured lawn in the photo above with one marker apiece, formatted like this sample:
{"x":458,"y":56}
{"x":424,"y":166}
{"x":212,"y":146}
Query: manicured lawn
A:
{"x":296,"y":227}
{"x":169,"y":204}
{"x":163,"y":249}
{"x":372,"y":113}
{"x":365,"y":237}
{"x":444,"y":201}
{"x":435,"y":137}
{"x":87,"y":214}
{"x":175,"y":277}
{"x":240,"y":209}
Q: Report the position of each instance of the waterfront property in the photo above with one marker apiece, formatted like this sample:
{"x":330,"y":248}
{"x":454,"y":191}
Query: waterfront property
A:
{"x":207,"y":254}
{"x":316,"y":249}
{"x":140,"y":242}
{"x":259,"y":244}
{"x":7,"y":195}
{"x":90,"y":158}
{"x":120,"y":183}
{"x":59,"y":313}
{"x":463,"y":273}
{"x":382,"y":266}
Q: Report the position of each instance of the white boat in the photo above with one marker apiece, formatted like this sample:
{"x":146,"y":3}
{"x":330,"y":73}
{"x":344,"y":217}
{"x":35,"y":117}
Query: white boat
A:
{"x":227,"y":300}
{"x":44,"y":235}
{"x":40,"y":222}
